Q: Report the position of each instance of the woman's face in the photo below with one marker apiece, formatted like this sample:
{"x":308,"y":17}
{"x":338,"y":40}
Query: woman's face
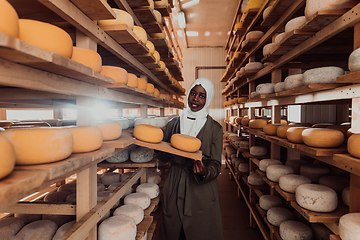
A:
{"x":197,"y":98}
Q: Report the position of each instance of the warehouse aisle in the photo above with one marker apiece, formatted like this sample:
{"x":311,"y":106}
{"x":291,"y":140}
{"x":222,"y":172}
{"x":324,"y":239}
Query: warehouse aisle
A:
{"x":235,"y":214}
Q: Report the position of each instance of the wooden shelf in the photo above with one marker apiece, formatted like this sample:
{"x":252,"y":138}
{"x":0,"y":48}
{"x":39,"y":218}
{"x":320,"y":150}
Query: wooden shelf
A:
{"x":252,"y":187}
{"x":134,"y":91}
{"x":126,"y":139}
{"x":335,"y":237}
{"x":270,"y":183}
{"x":287,"y":196}
{"x":143,"y":227}
{"x":278,"y":9}
{"x":127,"y":164}
{"x":353,"y":77}
{"x":261,"y":211}
{"x":96,"y":10}
{"x":346,"y":162}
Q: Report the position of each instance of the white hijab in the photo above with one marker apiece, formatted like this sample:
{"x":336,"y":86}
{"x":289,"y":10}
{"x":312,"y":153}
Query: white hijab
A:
{"x":193,"y":127}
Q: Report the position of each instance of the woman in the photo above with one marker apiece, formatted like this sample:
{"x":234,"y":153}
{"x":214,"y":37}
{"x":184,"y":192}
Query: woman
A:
{"x":190,"y":199}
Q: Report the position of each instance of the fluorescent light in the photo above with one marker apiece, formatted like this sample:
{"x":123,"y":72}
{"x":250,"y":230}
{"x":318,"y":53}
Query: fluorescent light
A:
{"x":207,"y":33}
{"x":179,"y":33}
{"x":192,"y":33}
{"x":181,"y":19}
{"x":189,"y":4}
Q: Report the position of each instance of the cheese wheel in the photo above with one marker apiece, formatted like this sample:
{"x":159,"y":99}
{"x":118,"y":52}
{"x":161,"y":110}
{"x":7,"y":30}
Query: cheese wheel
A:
{"x":281,"y":131}
{"x":279,"y":87}
{"x":142,"y":83}
{"x":150,"y":189}
{"x":295,"y":23}
{"x":322,"y":75}
{"x":345,"y":195}
{"x":119,"y":74}
{"x":46,"y":36}
{"x":132,"y":80}
{"x":41,"y":229}
{"x":244,"y":145}
{"x":147,"y":121}
{"x":150,"y":46}
{"x":317,"y":198}
{"x":266,"y":12}
{"x":130,"y":210}
{"x":71,"y":198}
{"x":161,"y":3}
{"x":58,"y":219}
{"x":148,"y":133}
{"x":56,"y":197}
{"x":243,"y":167}
{"x":140,"y":33}
{"x":156,"y":55}
{"x":141,"y":155}
{"x":237,"y":162}
{"x":271,"y":128}
{"x":185,"y":142}
{"x":253,"y":66}
{"x":313,"y":6}
{"x":280,"y":37}
{"x":274,"y":172}
{"x":264,"y":163}
{"x":334,"y":182}
{"x":86,"y":139}
{"x":353,"y":145}
{"x":290,"y":182}
{"x":120,"y":157}
{"x":258,"y":151}
{"x":7,"y":157}
{"x":117,"y":227}
{"x":153,"y":178}
{"x":295,"y":164}
{"x":122,"y":17}
{"x":277,"y":215}
{"x":293,"y":81}
{"x":69,"y":187}
{"x":161,"y":35}
{"x":314,"y":172}
{"x":141,"y":199}
{"x":265,"y":88}
{"x":162,"y":65}
{"x":253,"y":94}
{"x":349,"y":226}
{"x":62,"y":230}
{"x":39,"y":145}
{"x":150,"y":88}
{"x":294,"y":134}
{"x":245,"y":121}
{"x":255,"y":179}
{"x":269,"y":201}
{"x":9,"y":227}
{"x":294,"y":230}
{"x":254,"y":35}
{"x":100,"y":187}
{"x":28,"y":218}
{"x":110,"y":177}
{"x":257,"y":123}
{"x":158,"y":16}
{"x":269,"y":48}
{"x":110,"y":130}
{"x":354,"y":60}
{"x":322,"y":137}
{"x":9,"y":20}
{"x":87,"y":57}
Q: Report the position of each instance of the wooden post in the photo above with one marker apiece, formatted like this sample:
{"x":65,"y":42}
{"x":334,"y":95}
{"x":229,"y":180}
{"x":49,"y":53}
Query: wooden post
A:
{"x":143,"y":111}
{"x":162,"y":112}
{"x":356,"y":35}
{"x":276,"y":76}
{"x":2,"y":114}
{"x":275,"y":118}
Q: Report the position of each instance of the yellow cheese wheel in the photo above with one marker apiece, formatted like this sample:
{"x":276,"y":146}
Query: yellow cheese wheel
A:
{"x":158,"y":35}
{"x":322,"y":137}
{"x":344,"y":129}
{"x":119,"y":74}
{"x":40,"y":145}
{"x":282,"y":130}
{"x":150,"y":46}
{"x":245,"y":121}
{"x":257,"y":123}
{"x":162,"y":96}
{"x":132,"y":80}
{"x":294,"y":134}
{"x":156,"y":92}
{"x":161,"y":3}
{"x":150,"y":88}
{"x":46,"y":36}
{"x":185,"y":142}
{"x":88,"y":57}
{"x":254,"y":4}
{"x":122,"y":17}
{"x":162,"y":65}
{"x":7,"y":156}
{"x":300,"y":124}
{"x":140,"y":33}
{"x":271,"y":129}
{"x":142,"y":84}
{"x":156,"y":55}
{"x":151,"y":4}
{"x":9,"y":20}
{"x":148,"y":133}
{"x":238,"y":26}
{"x":110,"y":130}
{"x":86,"y":139}
{"x":353,"y":145}
{"x":157,"y":16}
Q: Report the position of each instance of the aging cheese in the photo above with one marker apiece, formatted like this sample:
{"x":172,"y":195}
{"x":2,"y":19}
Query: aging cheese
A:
{"x":69,"y":187}
{"x":56,"y":197}
{"x":254,"y":35}
{"x":269,"y":48}
{"x":150,"y":46}
{"x":271,"y":129}
{"x":7,"y":157}
{"x":295,"y":23}
{"x":257,"y":123}
{"x":156,"y":92}
{"x":150,"y":88}
{"x":110,"y":177}
{"x":314,"y":172}
{"x":335,"y":182}
{"x":86,"y":139}
{"x":71,"y":198}
{"x":140,"y":33}
{"x":280,"y":37}
{"x":295,"y":164}
{"x":274,"y":172}
{"x":156,"y":55}
{"x":293,"y":81}
{"x":130,"y":210}
{"x":141,"y":199}
{"x":349,"y":226}
{"x":185,"y":142}
{"x":313,"y":6}
{"x":142,"y":84}
{"x":39,"y":145}
{"x":290,"y":182}
{"x":119,"y":74}
{"x":46,"y":36}
{"x":317,"y":198}
{"x":322,"y":137}
{"x":253,"y":66}
{"x":266,"y":12}
{"x":100,"y":187}
{"x":345,"y":195}
{"x":150,"y":189}
{"x":277,"y":215}
{"x":322,"y":75}
{"x":258,"y":151}
{"x":148,"y":133}
{"x":243,"y":167}
{"x":294,"y":134}
{"x":87,"y":57}
{"x":255,"y":179}
{"x":281,"y":131}
{"x":354,"y":60}
{"x":9,"y":227}
{"x":116,"y":228}
{"x":120,"y":157}
{"x":110,"y":130}
{"x":353,"y":145}
{"x":157,"y":16}
{"x":244,"y":145}
{"x":41,"y":229}
{"x":58,"y":219}
{"x":9,"y":19}
{"x":265,"y":88}
{"x":294,"y":230}
{"x":122,"y":17}
{"x":269,"y":201}
{"x":28,"y":218}
{"x":141,"y":155}
{"x":62,"y":230}
{"x":279,"y":87}
{"x":132,"y":80}
{"x":264,"y":163}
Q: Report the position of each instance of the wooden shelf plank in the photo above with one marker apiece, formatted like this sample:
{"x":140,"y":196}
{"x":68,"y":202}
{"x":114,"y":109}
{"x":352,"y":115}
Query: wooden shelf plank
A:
{"x":143,"y":227}
{"x":248,"y":45}
{"x":126,"y":139}
{"x":308,"y":89}
{"x":270,"y":183}
{"x":96,"y":9}
{"x":249,"y":16}
{"x":148,"y":210}
{"x":43,"y":208}
{"x":261,"y":211}
{"x":144,"y":14}
{"x":321,"y":19}
{"x":138,"y":3}
{"x":138,"y":48}
{"x":353,"y":77}
{"x":287,"y":196}
{"x":273,"y":229}
{"x":165,"y":11}
{"x":347,"y":163}
{"x":295,"y":37}
{"x":127,"y":164}
{"x":278,"y":9}
{"x":321,"y":151}
{"x":126,"y":89}
{"x":335,"y":237}
{"x":120,"y":33}
{"x":152,"y":27}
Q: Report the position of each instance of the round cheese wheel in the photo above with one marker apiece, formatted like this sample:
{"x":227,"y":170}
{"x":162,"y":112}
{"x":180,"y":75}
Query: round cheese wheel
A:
{"x":245,"y":121}
{"x":322,"y":75}
{"x":150,"y":189}
{"x":335,"y":182}
{"x":280,"y":37}
{"x":349,"y":226}
{"x":253,"y":94}
{"x":264,"y":163}
{"x":294,"y":230}
{"x":69,"y":187}
{"x":120,"y":157}
{"x":295,"y":23}
{"x":314,"y":172}
{"x":110,"y":177}
{"x":56,"y":197}
{"x":141,"y":155}
{"x":185,"y":142}
{"x":277,"y":215}
{"x":237,"y":162}
{"x":281,"y":131}
{"x":271,"y":129}
{"x":62,"y":230}
{"x":58,"y":219}
{"x":265,"y":88}
{"x":157,"y":16}
{"x":9,"y":20}
{"x":322,"y":137}
{"x":46,"y":36}
{"x":244,"y":145}
{"x":269,"y":201}
{"x":255,"y":179}
{"x":87,"y":57}
{"x":86,"y":139}
{"x":266,"y":12}
{"x":161,"y":3}
{"x":254,"y":35}
{"x":148,"y":133}
{"x":41,"y":229}
{"x":39,"y":145}
{"x":9,"y":227}
{"x":142,"y":83}
{"x":317,"y":198}
{"x":279,"y":87}
{"x":161,"y":35}
{"x":290,"y":182}
{"x":257,"y":123}
{"x":28,"y":218}
{"x":122,"y":17}
{"x":110,"y":130}
{"x":345,"y":195}
{"x":7,"y":157}
{"x":243,"y":167}
{"x":293,"y":81}
{"x":156,"y":92}
{"x":130,"y":210}
{"x":354,"y":61}
{"x":141,"y":199}
{"x":117,"y":227}
{"x":153,"y":178}
{"x":71,"y":198}
{"x":132,"y":80}
{"x":150,"y":46}
{"x":294,"y":134}
{"x":258,"y":151}
{"x":119,"y":74}
{"x":150,"y":88}
{"x":269,"y":48}
{"x":353,"y":145}
{"x":253,"y":66}
{"x":140,"y":33}
{"x":295,"y":164}
{"x":313,"y":6}
{"x":274,"y":172}
{"x":156,"y":55}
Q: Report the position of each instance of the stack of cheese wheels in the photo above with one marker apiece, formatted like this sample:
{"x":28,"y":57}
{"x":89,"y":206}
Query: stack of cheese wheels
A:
{"x":86,"y":139}
{"x":46,"y":36}
{"x":335,"y":182}
{"x":117,"y":227}
{"x":185,"y":142}
{"x":281,"y":131}
{"x":130,"y":210}
{"x":7,"y":157}
{"x":314,"y":171}
{"x":141,"y":34}
{"x":315,"y":197}
{"x":290,"y":182}
{"x":41,"y":229}
{"x":269,"y":201}
{"x":110,"y":130}
{"x":141,"y":199}
{"x":293,"y":230}
{"x":345,"y":196}
{"x":148,"y":133}
{"x":141,"y":155}
{"x":277,"y":215}
{"x":150,"y":189}
{"x":122,"y":17}
{"x":142,"y":84}
{"x":322,"y":75}
{"x":132,"y":80}
{"x":258,"y":151}
{"x":295,"y":23}
{"x":9,"y":20}
{"x":87,"y":57}
{"x":264,"y":163}
{"x":119,"y":74}
{"x":62,"y":230}
{"x":255,"y":179}
{"x":271,"y":128}
{"x":274,"y":172}
{"x":353,"y":145}
{"x":257,"y":123}
{"x":294,"y":134}
{"x":322,"y":137}
{"x":265,"y":88}
{"x":9,"y":227}
{"x":349,"y":226}
{"x":110,"y":177}
{"x":38,"y":145}
{"x":295,"y":164}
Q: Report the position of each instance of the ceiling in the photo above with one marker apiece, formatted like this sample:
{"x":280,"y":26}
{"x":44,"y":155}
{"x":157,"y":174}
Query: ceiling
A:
{"x":208,"y":20}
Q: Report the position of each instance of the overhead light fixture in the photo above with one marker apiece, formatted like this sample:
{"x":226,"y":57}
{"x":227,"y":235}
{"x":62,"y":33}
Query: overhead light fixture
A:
{"x":181,"y":19}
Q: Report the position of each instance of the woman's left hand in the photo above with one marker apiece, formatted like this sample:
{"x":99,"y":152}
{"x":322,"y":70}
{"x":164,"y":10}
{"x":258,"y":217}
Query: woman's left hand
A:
{"x":199,"y":167}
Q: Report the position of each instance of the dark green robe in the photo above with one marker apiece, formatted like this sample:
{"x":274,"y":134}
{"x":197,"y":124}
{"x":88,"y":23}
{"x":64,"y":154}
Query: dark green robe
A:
{"x":191,"y":201}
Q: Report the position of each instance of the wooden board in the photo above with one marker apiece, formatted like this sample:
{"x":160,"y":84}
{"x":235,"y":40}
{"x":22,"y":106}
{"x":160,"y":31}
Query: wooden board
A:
{"x":296,"y":37}
{"x":143,"y":227}
{"x":138,"y":48}
{"x":144,"y":14}
{"x":261,"y":211}
{"x":322,"y":151}
{"x":335,"y":237}
{"x":249,"y":16}
{"x":148,"y":210}
{"x":126,"y":139}
{"x":278,"y":9}
{"x":321,"y":19}
{"x":138,"y":3}
{"x":95,"y":9}
{"x":165,"y":11}
{"x":126,"y":89}
{"x":307,"y":89}
{"x":287,"y":196}
{"x":347,"y":163}
{"x":120,"y":33}
{"x":127,"y":164}
{"x":353,"y":77}
{"x":166,"y":147}
{"x":152,"y":27}
{"x":145,"y":58}
{"x":270,"y":183}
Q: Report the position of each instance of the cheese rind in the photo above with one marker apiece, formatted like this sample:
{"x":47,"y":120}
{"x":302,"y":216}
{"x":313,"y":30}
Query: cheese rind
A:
{"x":41,"y":229}
{"x":313,"y":6}
{"x":294,"y":230}
{"x":253,"y":66}
{"x":269,"y":201}
{"x":9,"y":20}
{"x":349,"y":226}
{"x":150,"y":189}
{"x":353,"y":144}
{"x":62,"y":230}
{"x":265,"y":88}
{"x":252,"y":35}
{"x":264,"y":163}
{"x":122,"y":17}
{"x":322,"y":137}
{"x":7,"y":157}
{"x":140,"y":33}
{"x":9,"y":227}
{"x":279,"y":87}
{"x":354,"y":60}
{"x":257,"y":123}
{"x":141,"y":199}
{"x":335,"y":182}
{"x":258,"y":151}
{"x":148,"y":133}
{"x":130,"y":210}
{"x":117,"y":227}
{"x":290,"y":182}
{"x":142,"y":84}
{"x":294,"y":134}
{"x":110,"y":177}
{"x":269,"y":48}
{"x":277,"y":215}
{"x":345,"y":195}
{"x":87,"y":57}
{"x":150,"y":46}
{"x":141,"y":155}
{"x":274,"y":172}
{"x":314,"y":172}
{"x":132,"y":80}
{"x":110,"y":130}
{"x":322,"y":75}
{"x":295,"y":23}
{"x":120,"y":75}
{"x":295,"y":164}
{"x":86,"y":139}
{"x":271,"y":129}
{"x":281,"y":131}
{"x":255,"y":179}
{"x":185,"y":142}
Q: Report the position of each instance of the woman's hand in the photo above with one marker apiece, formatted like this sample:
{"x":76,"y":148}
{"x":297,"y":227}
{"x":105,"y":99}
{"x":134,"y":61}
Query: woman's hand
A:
{"x":199,"y":167}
